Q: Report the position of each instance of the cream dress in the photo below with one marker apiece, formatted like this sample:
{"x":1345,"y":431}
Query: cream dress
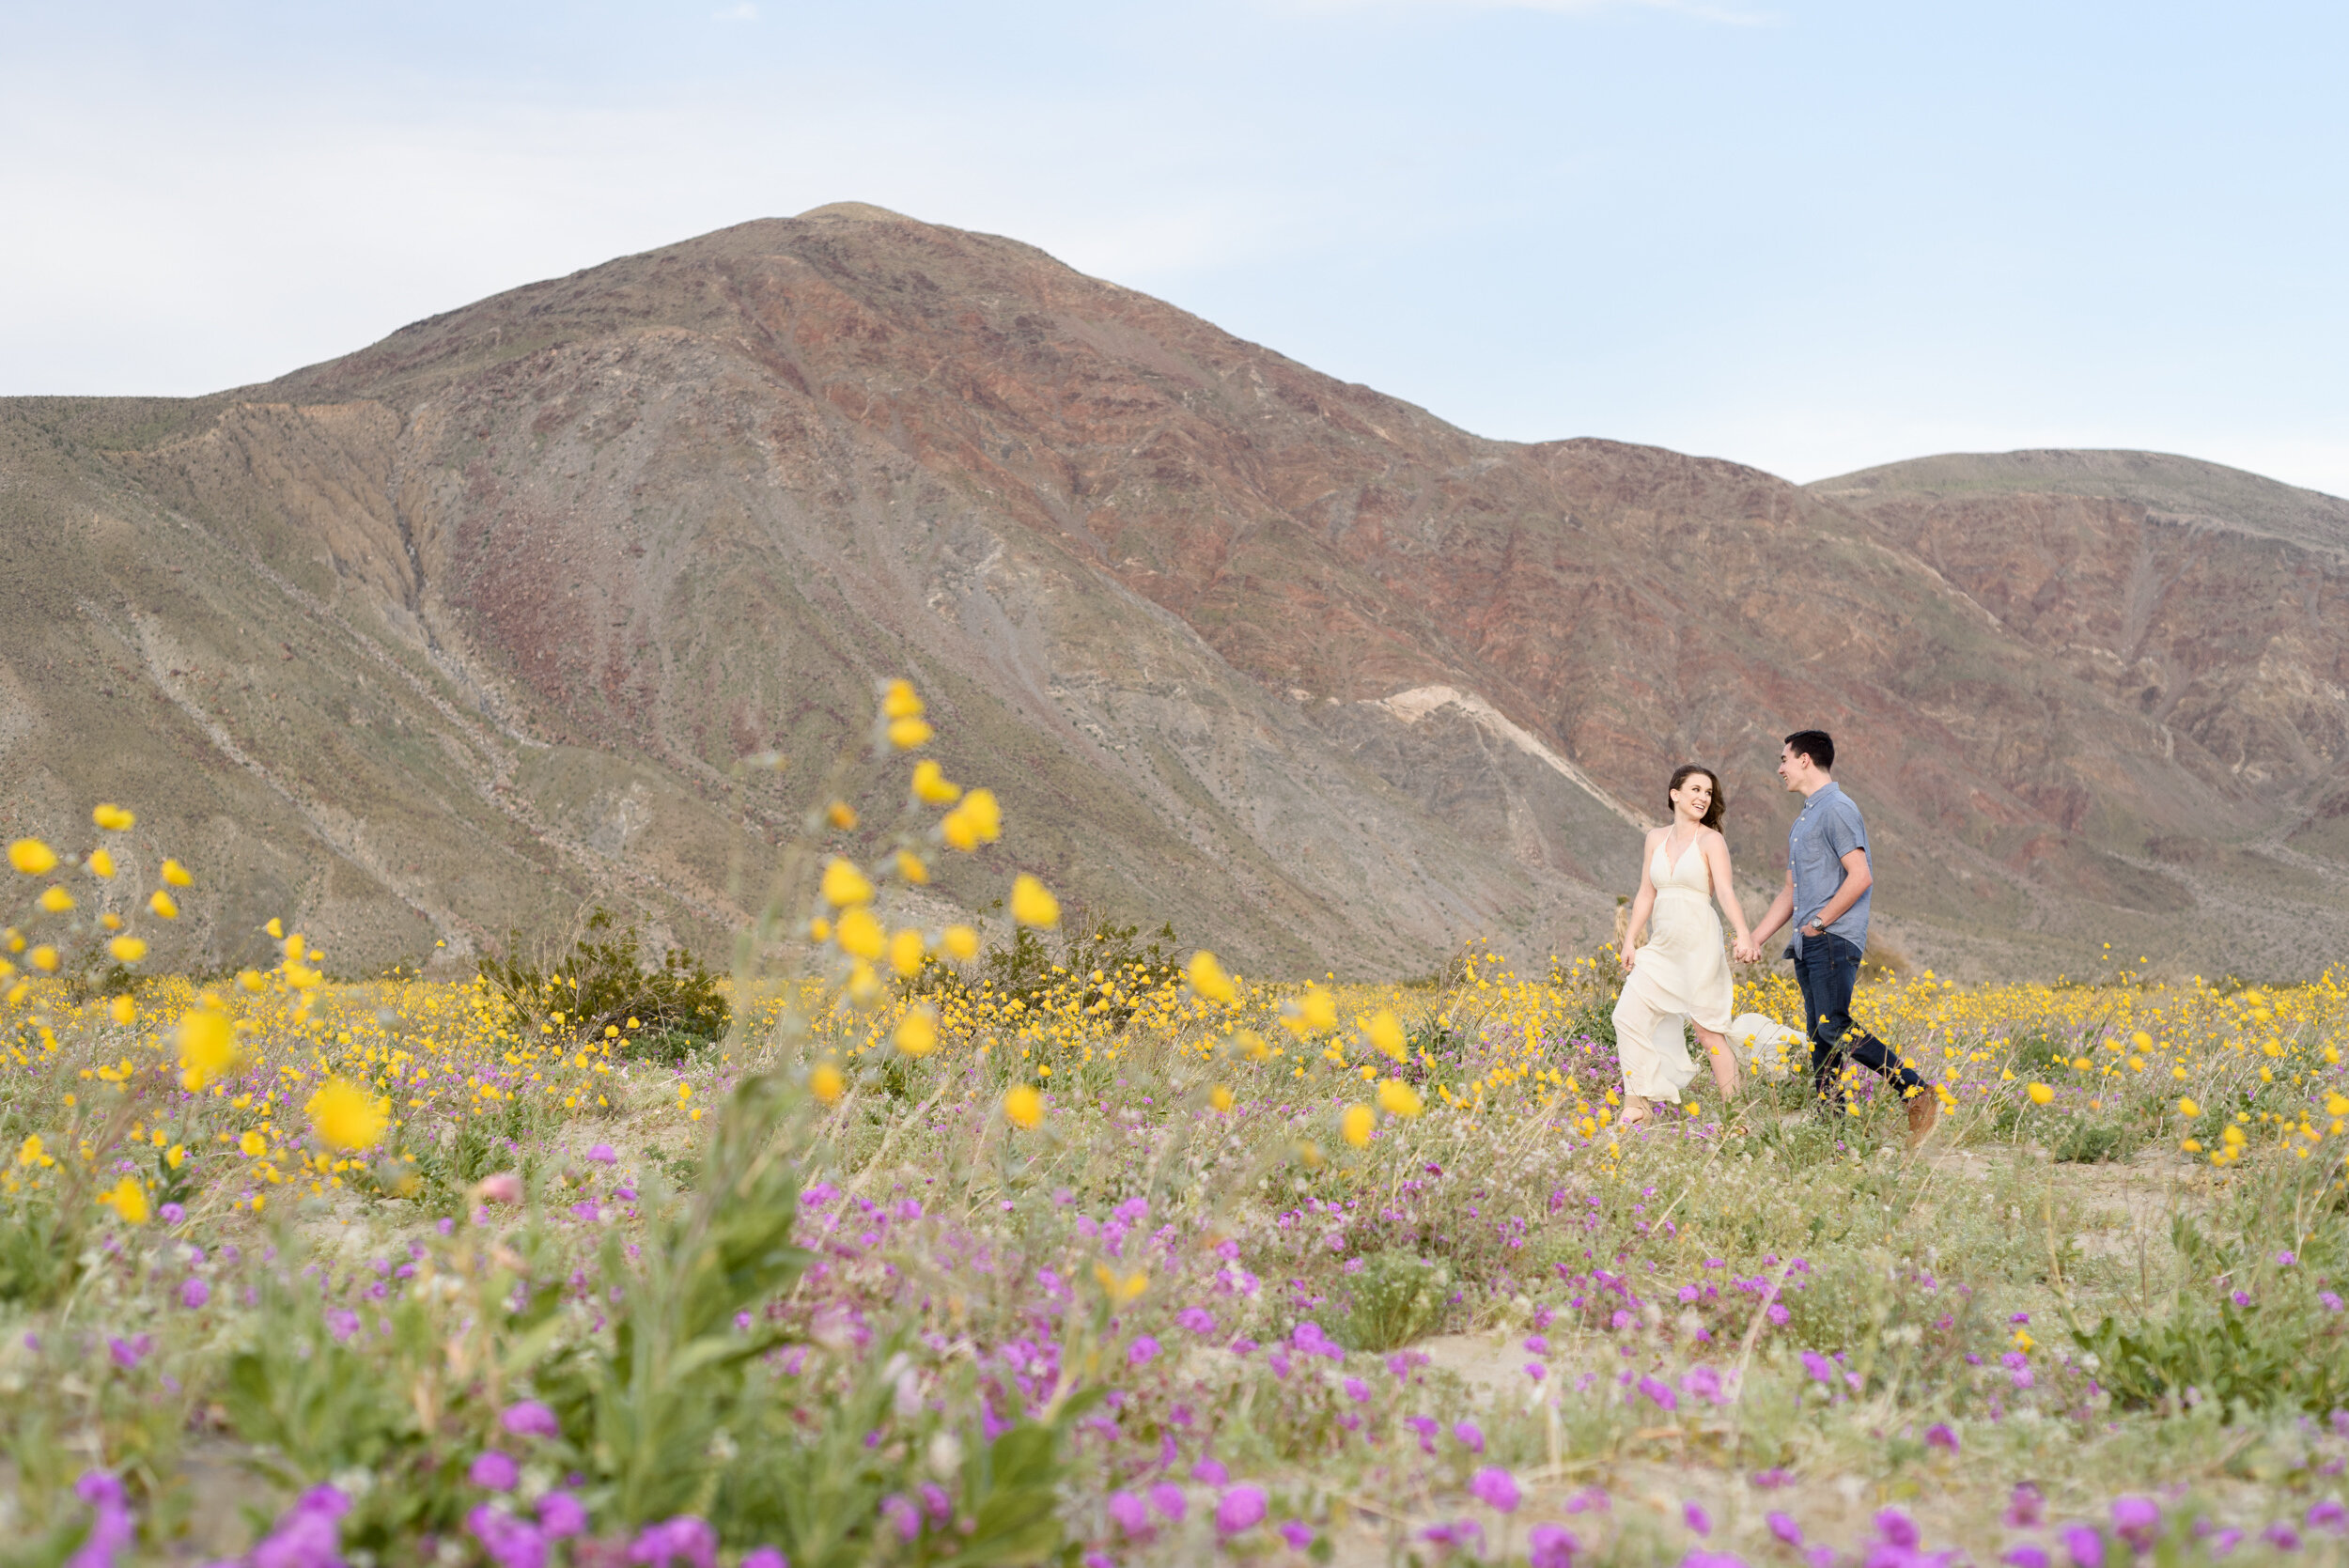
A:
{"x":1682,"y":974}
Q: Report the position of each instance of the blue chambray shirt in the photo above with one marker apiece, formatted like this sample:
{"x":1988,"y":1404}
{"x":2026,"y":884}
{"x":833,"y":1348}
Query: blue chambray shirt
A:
{"x":1828,"y":827}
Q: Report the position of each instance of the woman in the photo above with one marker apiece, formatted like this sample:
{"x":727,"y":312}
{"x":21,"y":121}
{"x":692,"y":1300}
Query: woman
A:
{"x":1681,"y":972}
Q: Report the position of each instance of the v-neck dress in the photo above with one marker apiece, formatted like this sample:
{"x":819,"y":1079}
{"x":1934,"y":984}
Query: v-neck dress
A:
{"x":1682,"y":974}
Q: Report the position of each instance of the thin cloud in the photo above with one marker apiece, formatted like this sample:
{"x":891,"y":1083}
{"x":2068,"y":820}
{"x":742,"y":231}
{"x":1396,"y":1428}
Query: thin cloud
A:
{"x":743,"y":12}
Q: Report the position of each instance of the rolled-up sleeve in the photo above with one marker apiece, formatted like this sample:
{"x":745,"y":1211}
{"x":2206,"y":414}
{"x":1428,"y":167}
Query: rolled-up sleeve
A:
{"x":1843,"y":832}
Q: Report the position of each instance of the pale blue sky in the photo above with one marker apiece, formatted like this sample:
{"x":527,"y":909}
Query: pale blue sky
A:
{"x":1809,"y":236}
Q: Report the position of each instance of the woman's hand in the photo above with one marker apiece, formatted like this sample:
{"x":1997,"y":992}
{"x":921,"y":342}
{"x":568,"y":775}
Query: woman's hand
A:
{"x":1628,"y":956}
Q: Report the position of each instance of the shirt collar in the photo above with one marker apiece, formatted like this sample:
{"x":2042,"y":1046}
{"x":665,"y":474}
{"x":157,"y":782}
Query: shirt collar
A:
{"x":1821,"y":796}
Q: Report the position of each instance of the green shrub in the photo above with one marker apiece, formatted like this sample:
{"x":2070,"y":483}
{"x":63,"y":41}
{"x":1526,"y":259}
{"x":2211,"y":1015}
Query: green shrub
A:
{"x":1397,"y":1297}
{"x":605,"y":982}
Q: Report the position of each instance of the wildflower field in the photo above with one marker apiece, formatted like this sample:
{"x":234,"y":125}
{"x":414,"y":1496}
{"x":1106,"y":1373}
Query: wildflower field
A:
{"x":892,"y":1249}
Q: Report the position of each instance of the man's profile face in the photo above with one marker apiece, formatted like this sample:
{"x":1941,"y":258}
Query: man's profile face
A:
{"x":1789,"y":766}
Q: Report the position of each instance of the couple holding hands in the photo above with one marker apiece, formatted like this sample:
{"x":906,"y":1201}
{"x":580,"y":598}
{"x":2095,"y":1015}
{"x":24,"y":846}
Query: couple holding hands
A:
{"x":1681,"y":973}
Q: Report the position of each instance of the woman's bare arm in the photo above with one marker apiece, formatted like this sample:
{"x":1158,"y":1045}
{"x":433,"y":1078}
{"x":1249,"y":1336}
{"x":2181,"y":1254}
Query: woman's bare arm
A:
{"x":1641,"y":903}
{"x":1716,"y":859}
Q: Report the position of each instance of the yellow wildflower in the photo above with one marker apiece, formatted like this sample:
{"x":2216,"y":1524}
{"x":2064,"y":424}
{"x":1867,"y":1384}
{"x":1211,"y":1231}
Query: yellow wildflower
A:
{"x":844,"y":884}
{"x":909,"y":866}
{"x":1356,"y":1124}
{"x":1399,"y":1098}
{"x":825,"y":1082}
{"x":160,"y":902}
{"x":2188,"y":1110}
{"x":176,"y":874}
{"x":906,"y":733}
{"x":30,"y":1152}
{"x":917,"y":1031}
{"x":1386,"y":1033}
{"x":55,"y":899}
{"x":1219,"y":1097}
{"x":1032,"y":904}
{"x":123,"y":1010}
{"x":2040,"y":1094}
{"x":860,"y":934}
{"x":930,"y":783}
{"x":32,"y":857}
{"x":1207,"y":978}
{"x":100,"y":863}
{"x":128,"y":1198}
{"x":900,"y":701}
{"x":346,"y":1117}
{"x":960,"y":942}
{"x":112,"y":818}
{"x":1318,"y":1010}
{"x":44,"y":958}
{"x":906,"y":952}
{"x":841,"y":814}
{"x":208,"y":1047}
{"x":127,"y":950}
{"x":1024,"y":1106}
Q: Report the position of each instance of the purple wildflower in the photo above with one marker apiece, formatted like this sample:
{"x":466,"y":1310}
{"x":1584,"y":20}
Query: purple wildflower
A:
{"x":901,"y":1515}
{"x":111,"y":1527}
{"x":494,"y":1470}
{"x":1660,"y":1393}
{"x":194,"y":1293}
{"x":2282,"y":1536}
{"x":1297,"y":1534}
{"x":2026,"y":1507}
{"x":765,"y":1557}
{"x":1168,"y":1499}
{"x":2136,"y":1521}
{"x":1696,"y":1518}
{"x":685,"y":1538}
{"x":1783,"y":1527}
{"x":560,"y":1515}
{"x":2025,"y":1557}
{"x":509,"y":1542}
{"x":342,"y":1323}
{"x":1357,"y":1391}
{"x":1551,"y":1546}
{"x":1470,"y":1435}
{"x":2084,"y":1546}
{"x":602,"y":1154}
{"x":1939,"y":1436}
{"x":2329,"y":1514}
{"x":1142,"y":1350}
{"x":1129,"y":1514}
{"x":1496,"y":1488}
{"x":1897,"y":1529}
{"x":1210,"y":1470}
{"x":307,"y":1535}
{"x":1241,"y":1508}
{"x":530,"y":1418}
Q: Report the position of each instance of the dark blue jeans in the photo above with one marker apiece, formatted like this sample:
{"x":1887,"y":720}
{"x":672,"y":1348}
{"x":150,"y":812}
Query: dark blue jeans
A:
{"x":1825,"y":967}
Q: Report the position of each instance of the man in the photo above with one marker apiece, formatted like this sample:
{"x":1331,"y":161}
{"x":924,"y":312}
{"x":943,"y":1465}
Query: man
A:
{"x":1828,"y":883}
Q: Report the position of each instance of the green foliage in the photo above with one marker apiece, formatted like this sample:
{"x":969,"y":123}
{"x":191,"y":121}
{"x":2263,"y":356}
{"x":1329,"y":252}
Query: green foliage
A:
{"x":1396,"y":1298}
{"x":606,"y":980}
{"x":40,"y":1248}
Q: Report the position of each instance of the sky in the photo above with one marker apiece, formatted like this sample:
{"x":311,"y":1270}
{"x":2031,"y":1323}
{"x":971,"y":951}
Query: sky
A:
{"x":1808,"y":235}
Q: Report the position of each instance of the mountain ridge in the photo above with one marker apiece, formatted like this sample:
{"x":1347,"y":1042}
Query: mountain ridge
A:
{"x":603,"y":537}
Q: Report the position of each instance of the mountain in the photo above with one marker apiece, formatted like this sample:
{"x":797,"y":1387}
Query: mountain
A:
{"x":478,"y":625}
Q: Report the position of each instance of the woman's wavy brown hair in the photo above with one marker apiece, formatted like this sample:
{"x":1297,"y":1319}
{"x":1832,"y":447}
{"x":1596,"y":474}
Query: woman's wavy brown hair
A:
{"x":1681,"y":775}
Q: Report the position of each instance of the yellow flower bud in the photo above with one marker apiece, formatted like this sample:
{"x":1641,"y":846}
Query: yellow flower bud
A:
{"x":100,"y":863}
{"x":55,"y":899}
{"x":1207,"y":978}
{"x":917,"y":1031}
{"x":176,"y":874}
{"x":32,"y":857}
{"x":909,"y":866}
{"x":160,"y":902}
{"x":898,"y":701}
{"x":931,"y":785}
{"x":840,"y":815}
{"x":906,"y":733}
{"x":1032,"y":904}
{"x":845,"y":885}
{"x":112,"y":818}
{"x":860,"y":934}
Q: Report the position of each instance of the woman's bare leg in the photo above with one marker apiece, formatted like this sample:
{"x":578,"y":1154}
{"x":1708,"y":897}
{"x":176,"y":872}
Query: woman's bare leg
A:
{"x":1724,"y":1062}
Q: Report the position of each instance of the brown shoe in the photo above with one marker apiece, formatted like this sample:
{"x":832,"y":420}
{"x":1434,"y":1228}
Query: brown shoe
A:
{"x":1925,"y":1110}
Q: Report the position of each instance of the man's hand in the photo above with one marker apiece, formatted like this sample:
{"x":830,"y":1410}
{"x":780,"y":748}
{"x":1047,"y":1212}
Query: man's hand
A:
{"x":1748,"y":951}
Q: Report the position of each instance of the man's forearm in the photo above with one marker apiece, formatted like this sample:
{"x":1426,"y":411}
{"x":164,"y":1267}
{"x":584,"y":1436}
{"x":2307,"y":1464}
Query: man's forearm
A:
{"x":1781,"y":908}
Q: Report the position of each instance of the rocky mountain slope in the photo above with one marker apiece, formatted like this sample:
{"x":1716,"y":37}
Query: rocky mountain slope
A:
{"x":458,"y":633}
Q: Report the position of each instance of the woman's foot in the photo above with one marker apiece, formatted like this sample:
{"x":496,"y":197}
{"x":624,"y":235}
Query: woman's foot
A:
{"x":1635,"y":1111}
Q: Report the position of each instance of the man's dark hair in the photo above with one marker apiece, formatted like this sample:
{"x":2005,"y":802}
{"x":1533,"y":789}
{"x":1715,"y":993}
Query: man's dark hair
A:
{"x":1815,"y":744}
